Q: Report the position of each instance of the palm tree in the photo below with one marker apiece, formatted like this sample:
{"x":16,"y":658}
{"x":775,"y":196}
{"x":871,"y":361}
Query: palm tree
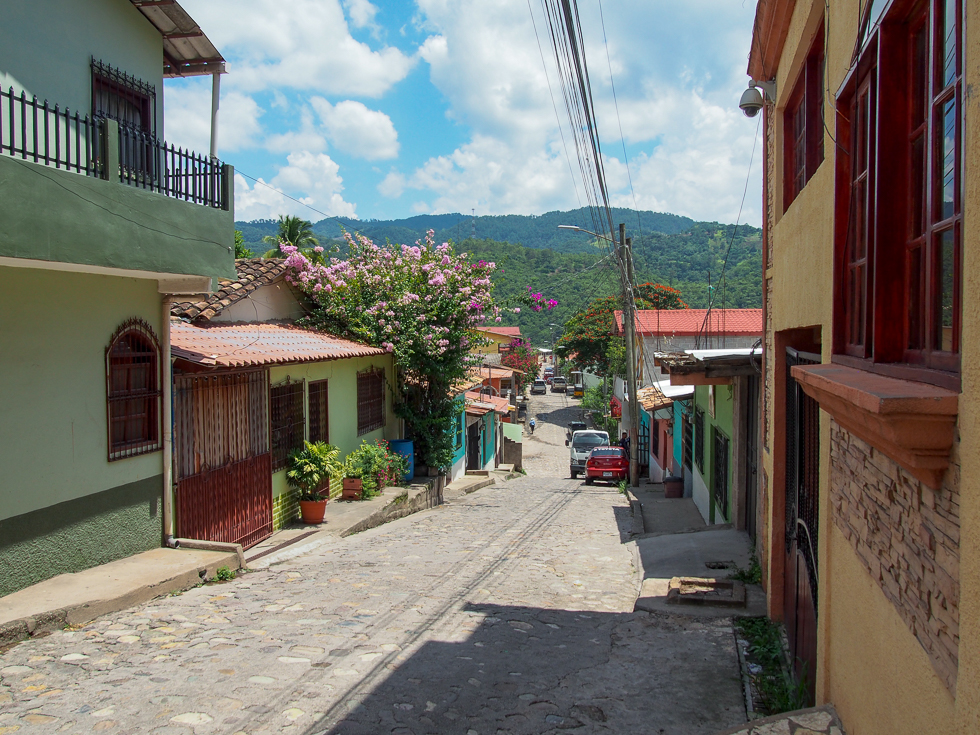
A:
{"x":293,"y":230}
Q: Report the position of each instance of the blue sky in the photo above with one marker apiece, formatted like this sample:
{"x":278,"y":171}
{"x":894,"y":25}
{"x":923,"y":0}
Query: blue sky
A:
{"x":381,"y":110}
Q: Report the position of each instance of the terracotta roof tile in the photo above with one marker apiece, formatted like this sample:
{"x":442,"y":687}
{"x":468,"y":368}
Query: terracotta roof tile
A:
{"x":689,"y":322}
{"x":249,"y":345}
{"x":253,"y":273}
{"x":505,"y":331}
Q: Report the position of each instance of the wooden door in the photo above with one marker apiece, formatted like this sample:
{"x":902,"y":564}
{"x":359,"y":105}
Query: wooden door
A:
{"x":802,"y":506}
{"x":223,"y":461}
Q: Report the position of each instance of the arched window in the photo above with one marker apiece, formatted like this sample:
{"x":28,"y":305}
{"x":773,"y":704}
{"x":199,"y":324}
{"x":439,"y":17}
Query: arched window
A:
{"x":133,"y":390}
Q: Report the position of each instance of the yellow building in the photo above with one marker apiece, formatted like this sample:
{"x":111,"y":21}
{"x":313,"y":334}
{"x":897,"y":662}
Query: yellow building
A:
{"x":870,"y":510}
{"x":501,"y":336}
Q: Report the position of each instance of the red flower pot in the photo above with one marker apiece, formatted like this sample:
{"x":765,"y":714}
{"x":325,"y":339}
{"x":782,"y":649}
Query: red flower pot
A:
{"x":353,"y":487}
{"x":313,"y":510}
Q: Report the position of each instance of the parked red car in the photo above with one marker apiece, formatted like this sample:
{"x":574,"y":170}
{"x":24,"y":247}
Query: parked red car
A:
{"x":609,"y":464}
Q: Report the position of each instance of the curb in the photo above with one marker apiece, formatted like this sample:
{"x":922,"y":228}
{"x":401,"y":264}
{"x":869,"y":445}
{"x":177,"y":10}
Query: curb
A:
{"x":17,"y":630}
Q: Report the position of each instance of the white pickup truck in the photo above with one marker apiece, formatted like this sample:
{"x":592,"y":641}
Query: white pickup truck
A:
{"x":581,"y":443}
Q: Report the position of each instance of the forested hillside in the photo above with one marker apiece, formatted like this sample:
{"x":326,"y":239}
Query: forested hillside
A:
{"x":540,"y":231}
{"x":574,"y":268}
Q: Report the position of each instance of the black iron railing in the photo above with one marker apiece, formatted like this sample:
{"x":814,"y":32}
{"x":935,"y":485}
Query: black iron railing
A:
{"x":148,"y":163}
{"x":37,"y":132}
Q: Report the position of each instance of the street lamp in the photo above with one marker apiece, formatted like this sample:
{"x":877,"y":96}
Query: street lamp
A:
{"x":576,"y":228}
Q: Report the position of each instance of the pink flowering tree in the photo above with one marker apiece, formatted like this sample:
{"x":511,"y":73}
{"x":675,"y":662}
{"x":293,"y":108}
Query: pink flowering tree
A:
{"x":420,"y":302}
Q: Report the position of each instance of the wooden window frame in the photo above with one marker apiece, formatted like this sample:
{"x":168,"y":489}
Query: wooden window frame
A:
{"x":122,"y":397}
{"x":318,"y":416}
{"x":803,"y":124}
{"x":370,"y":400}
{"x":912,"y":308}
{"x":287,"y":421}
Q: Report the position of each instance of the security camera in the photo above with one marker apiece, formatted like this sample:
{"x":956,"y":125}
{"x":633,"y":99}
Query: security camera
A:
{"x":753,"y":99}
{"x":751,"y":102}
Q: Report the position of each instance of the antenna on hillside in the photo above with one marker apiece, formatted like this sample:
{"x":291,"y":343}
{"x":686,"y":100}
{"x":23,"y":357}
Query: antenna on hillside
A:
{"x":473,"y":235}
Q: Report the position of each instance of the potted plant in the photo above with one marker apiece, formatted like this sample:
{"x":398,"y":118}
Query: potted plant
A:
{"x":370,"y":468}
{"x":310,"y":470}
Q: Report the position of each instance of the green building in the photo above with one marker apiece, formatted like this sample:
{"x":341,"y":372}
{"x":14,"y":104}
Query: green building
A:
{"x":103,"y":226}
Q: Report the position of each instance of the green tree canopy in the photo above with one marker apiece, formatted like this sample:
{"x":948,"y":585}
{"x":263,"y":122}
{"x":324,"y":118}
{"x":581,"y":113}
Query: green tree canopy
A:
{"x":295,"y":231}
{"x":588,"y":340}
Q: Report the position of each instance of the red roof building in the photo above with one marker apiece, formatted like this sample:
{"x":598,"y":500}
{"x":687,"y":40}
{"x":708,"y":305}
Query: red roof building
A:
{"x":691,"y":322}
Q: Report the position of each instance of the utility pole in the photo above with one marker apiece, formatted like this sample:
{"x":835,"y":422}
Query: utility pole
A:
{"x":629,"y":323}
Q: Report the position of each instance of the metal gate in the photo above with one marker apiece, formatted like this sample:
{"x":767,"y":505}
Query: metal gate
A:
{"x":802,"y":507}
{"x":223,"y":463}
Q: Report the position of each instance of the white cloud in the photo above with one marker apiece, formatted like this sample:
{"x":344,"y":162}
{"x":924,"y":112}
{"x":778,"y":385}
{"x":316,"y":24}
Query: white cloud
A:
{"x":392,"y":185}
{"x":300,"y":44}
{"x":312,"y":178}
{"x":308,"y":138}
{"x":678,"y":68}
{"x":357,"y":130}
{"x":188,"y":118}
{"x":361,"y":13}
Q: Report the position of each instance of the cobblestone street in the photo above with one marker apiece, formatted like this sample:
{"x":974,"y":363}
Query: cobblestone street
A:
{"x":509,"y":610}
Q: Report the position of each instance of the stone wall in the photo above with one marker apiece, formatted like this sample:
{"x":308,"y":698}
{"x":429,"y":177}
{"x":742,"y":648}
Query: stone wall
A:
{"x":907,"y":536}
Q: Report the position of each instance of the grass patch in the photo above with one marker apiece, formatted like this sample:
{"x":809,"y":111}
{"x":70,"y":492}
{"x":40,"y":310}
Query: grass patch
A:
{"x":774,"y":686}
{"x":752,"y":575}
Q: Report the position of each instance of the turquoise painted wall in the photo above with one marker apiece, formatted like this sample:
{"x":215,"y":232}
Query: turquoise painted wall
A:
{"x":680,"y":410}
{"x":342,"y":406}
{"x":489,"y":436}
{"x":722,"y":421}
{"x":91,"y":222}
{"x":63,"y":505}
{"x":46,"y":47}
{"x":460,"y":426}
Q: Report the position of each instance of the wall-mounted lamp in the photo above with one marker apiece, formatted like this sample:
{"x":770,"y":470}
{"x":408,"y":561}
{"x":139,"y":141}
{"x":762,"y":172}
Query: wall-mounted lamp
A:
{"x":752,"y":98}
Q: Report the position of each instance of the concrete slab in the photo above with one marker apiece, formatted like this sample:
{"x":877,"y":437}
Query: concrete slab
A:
{"x":70,"y":599}
{"x":667,"y":515}
{"x":686,"y":555}
{"x":821,"y":720}
{"x":343,"y":518}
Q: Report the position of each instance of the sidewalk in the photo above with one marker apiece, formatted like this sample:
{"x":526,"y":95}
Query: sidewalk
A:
{"x":71,"y":599}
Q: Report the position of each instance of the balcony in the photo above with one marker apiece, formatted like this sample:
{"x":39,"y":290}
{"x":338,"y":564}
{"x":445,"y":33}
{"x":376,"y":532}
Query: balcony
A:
{"x":96,"y":193}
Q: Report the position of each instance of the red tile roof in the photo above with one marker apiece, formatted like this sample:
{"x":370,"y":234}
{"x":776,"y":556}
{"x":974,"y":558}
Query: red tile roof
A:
{"x":691,"y":322}
{"x":248,"y":345}
{"x":505,"y":331}
{"x":253,"y":273}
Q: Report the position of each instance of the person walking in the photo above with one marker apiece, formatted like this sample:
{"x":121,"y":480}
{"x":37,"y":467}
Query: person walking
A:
{"x":532,"y":424}
{"x":624,"y":442}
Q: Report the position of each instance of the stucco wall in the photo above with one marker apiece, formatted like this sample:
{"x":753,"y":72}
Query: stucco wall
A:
{"x":92,"y":222}
{"x":272,"y":302}
{"x":46,"y":47}
{"x":704,"y":480}
{"x":341,"y":409}
{"x":870,"y":664}
{"x":63,"y":505}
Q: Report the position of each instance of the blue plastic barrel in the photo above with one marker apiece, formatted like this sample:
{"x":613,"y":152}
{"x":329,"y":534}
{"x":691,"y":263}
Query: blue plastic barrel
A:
{"x":406,"y":448}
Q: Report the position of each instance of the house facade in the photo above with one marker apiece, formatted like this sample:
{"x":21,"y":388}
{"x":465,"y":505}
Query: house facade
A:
{"x":103,"y":226}
{"x":248,"y":393}
{"x":499,"y":338}
{"x":869,"y":397}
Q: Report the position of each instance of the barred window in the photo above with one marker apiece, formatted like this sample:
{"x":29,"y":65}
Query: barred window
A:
{"x":288,"y":424}
{"x":699,"y":438}
{"x":133,"y":390}
{"x":319,"y":403}
{"x":688,"y":440}
{"x":370,"y":401}
{"x":124,"y":98}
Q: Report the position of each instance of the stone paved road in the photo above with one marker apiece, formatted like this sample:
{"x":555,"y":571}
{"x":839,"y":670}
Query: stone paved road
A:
{"x":507,"y":611}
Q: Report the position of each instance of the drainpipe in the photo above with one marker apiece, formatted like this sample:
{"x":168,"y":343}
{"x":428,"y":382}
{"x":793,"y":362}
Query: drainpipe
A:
{"x":168,"y":431}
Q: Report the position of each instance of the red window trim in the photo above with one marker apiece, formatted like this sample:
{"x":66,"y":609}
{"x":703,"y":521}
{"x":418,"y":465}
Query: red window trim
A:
{"x":890,"y":327}
{"x":317,"y":389}
{"x":370,"y":400}
{"x":119,"y":397}
{"x":803,"y":124}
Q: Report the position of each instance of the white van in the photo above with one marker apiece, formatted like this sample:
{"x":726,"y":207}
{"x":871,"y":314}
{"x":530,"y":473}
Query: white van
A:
{"x":581,"y":443}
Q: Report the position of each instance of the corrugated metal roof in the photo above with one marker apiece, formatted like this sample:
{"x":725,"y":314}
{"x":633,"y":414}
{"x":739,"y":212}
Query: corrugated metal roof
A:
{"x":186,"y":50}
{"x":249,"y":345}
{"x":488,"y":402}
{"x":691,"y":322}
